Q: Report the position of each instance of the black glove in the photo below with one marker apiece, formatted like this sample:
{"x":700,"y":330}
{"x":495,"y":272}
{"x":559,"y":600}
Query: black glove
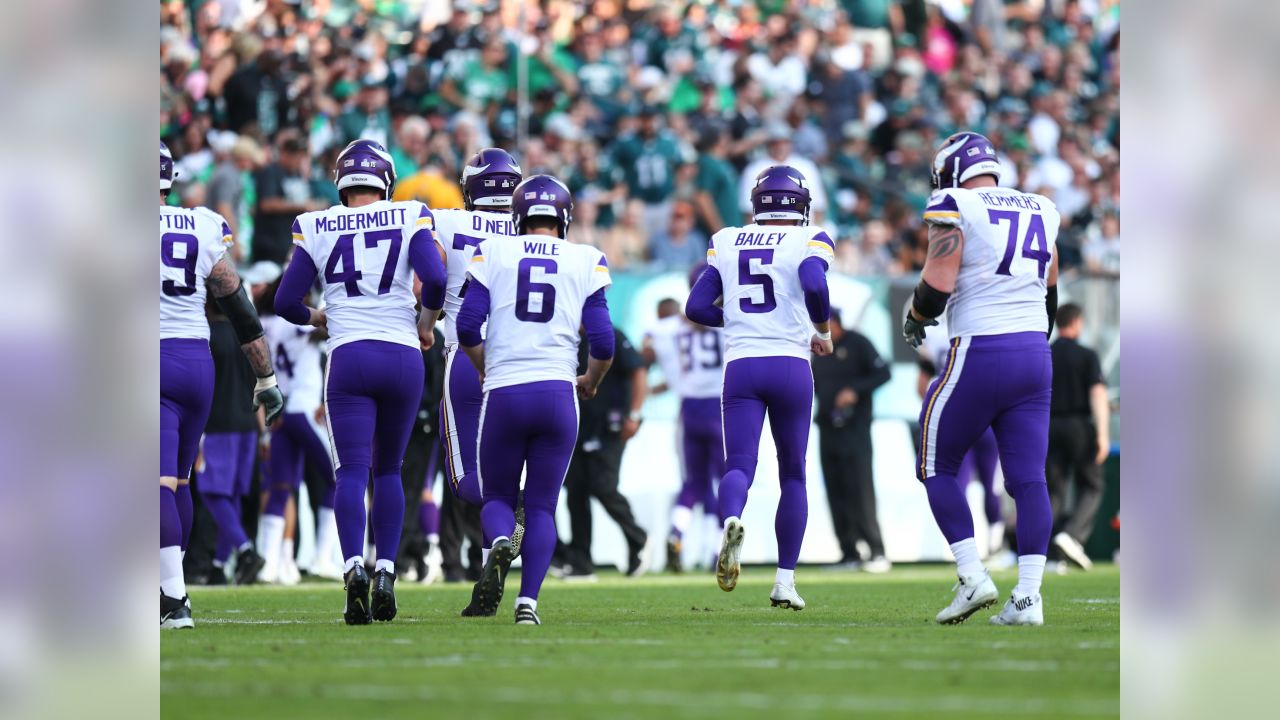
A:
{"x":268,"y":396}
{"x":913,"y":330}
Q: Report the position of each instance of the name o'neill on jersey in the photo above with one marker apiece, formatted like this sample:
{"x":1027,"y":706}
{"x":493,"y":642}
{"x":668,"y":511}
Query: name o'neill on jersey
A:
{"x":1009,"y":240}
{"x":192,"y":241}
{"x":537,"y":287}
{"x":362,"y":255}
{"x":759,"y":268}
{"x":459,"y":233}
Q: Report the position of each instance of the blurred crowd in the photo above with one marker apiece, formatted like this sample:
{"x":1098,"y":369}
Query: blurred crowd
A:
{"x":656,"y":113}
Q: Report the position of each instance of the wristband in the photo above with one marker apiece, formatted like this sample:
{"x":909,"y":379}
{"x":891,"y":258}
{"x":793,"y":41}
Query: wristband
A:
{"x":636,"y":416}
{"x":265,"y":383}
{"x":824,"y":336}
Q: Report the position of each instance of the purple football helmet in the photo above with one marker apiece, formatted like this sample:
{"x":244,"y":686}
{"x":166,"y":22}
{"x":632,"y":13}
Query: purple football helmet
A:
{"x":542,"y":196}
{"x":780,"y":193}
{"x":488,"y":179}
{"x":364,"y":163}
{"x":964,"y":156}
{"x":167,"y":172}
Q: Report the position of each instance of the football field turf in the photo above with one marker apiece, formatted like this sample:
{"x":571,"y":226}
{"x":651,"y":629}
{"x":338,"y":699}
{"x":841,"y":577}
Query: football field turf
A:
{"x":661,"y":646}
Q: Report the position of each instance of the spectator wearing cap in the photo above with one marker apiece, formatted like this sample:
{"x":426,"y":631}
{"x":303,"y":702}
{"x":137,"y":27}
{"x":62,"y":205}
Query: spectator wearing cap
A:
{"x":236,"y":157}
{"x":778,"y":152}
{"x":284,"y":192}
{"x":682,"y":246}
{"x":648,"y":159}
{"x":715,"y":198}
{"x":369,"y":119}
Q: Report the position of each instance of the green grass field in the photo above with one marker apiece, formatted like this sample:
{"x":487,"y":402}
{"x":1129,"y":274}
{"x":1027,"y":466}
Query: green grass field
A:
{"x":657,"y":647}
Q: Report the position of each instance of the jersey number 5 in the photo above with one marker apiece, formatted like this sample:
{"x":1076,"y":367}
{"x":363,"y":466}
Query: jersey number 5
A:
{"x":525,"y":286}
{"x":341,"y":267}
{"x":763,"y":279}
{"x":1035,"y":246}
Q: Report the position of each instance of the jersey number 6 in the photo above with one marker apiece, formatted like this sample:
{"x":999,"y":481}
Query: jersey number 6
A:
{"x":525,"y":286}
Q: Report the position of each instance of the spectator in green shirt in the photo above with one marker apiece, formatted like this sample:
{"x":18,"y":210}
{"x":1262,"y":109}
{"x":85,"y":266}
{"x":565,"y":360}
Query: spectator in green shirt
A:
{"x":875,"y":22}
{"x":369,"y":119}
{"x":648,"y":160}
{"x":482,"y":84}
{"x":602,"y":80}
{"x":715,"y":199}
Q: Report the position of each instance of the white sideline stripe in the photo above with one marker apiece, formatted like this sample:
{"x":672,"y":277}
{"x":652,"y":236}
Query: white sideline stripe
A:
{"x":940,"y":404}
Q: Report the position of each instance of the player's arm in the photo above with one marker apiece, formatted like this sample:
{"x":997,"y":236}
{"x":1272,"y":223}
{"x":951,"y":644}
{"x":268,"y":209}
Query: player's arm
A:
{"x":425,"y":256}
{"x":227,"y":290}
{"x":471,"y":317}
{"x":706,"y":292}
{"x":1100,"y":409}
{"x":1051,"y":294}
{"x":937,"y":280}
{"x":820,"y":253}
{"x":600,"y":346}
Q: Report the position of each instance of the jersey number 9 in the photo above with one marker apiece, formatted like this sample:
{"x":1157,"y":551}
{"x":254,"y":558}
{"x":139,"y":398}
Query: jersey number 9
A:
{"x":187,"y":263}
{"x":525,"y":286}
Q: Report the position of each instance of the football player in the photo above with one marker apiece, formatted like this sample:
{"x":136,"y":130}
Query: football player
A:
{"x":534,"y":292}
{"x":992,"y":266}
{"x":369,"y":248}
{"x":771,"y":277}
{"x":487,"y":181}
{"x":193,"y":247}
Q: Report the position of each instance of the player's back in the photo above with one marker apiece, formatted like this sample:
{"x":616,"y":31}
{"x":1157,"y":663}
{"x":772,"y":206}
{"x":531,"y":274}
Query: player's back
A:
{"x":764,"y":309}
{"x":1009,"y":237}
{"x":362,"y":256}
{"x":192,"y":241}
{"x":701,"y":351}
{"x":662,"y":338}
{"x":459,"y":233}
{"x":537,"y":287}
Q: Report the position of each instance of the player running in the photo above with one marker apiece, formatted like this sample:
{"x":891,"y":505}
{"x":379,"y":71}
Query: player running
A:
{"x":771,"y":275}
{"x":375,"y":376}
{"x":993,"y":267}
{"x":534,"y":291}
{"x":193,"y":246}
{"x":487,"y":181}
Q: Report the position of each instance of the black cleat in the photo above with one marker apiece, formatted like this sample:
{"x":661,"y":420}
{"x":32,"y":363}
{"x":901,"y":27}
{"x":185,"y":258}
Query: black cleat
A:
{"x":674,"y":547}
{"x":175,"y":613}
{"x":248,"y":564}
{"x":474,"y":608}
{"x":356,"y":582}
{"x":526,"y":615}
{"x":383,"y":601}
{"x":488,"y":591}
{"x":638,"y":560}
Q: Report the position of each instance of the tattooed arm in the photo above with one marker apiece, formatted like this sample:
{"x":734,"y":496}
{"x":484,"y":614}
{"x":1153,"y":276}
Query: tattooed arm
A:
{"x":937,"y":281}
{"x":225,"y":286}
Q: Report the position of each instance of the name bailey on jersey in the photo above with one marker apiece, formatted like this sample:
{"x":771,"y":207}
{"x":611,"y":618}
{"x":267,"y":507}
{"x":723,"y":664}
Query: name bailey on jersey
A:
{"x":757,"y":239}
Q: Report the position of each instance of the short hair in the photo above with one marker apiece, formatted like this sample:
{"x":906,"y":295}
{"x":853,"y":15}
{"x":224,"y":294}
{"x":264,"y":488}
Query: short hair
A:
{"x":1068,"y":314}
{"x":668,"y":303}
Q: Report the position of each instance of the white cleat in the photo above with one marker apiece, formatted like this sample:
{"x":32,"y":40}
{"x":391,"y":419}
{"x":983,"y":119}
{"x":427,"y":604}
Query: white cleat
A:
{"x":727,"y":565}
{"x":289,"y":573}
{"x":785,"y":596}
{"x":1073,"y":550}
{"x":972,"y":594}
{"x":878,"y":565}
{"x":1028,"y":610}
{"x":435,"y":566}
{"x":270,"y":573}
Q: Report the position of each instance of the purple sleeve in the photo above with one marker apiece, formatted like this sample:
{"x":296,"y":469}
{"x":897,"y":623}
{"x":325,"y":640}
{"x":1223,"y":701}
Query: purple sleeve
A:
{"x":425,"y":260}
{"x":595,"y":318}
{"x":294,"y":285}
{"x":472,"y":314}
{"x":813,"y":281}
{"x":701,"y":305}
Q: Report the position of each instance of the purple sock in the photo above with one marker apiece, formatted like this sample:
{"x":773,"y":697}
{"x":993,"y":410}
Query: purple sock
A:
{"x":536,"y":549}
{"x":186,"y":511}
{"x":226,"y":515}
{"x":950,"y":509}
{"x":348,"y":509}
{"x":733,"y":493}
{"x":790,"y":522}
{"x":429,"y":517}
{"x":1035,"y":517}
{"x":388,"y":514}
{"x":170,"y":521}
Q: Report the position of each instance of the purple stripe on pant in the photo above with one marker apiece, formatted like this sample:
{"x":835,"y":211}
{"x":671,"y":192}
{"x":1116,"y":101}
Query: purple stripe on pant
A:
{"x":460,"y":412}
{"x":703,"y":446}
{"x":293,"y":442}
{"x":372,"y":393}
{"x":1001,"y":382}
{"x":225,"y":480}
{"x":782,"y":387}
{"x":535,"y":427}
{"x":186,"y":394}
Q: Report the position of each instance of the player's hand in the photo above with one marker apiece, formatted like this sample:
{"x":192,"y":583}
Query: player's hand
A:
{"x":629,"y":429}
{"x":586,"y":388}
{"x":820,"y":346}
{"x":1104,"y":449}
{"x":320,"y":415}
{"x":847,"y":397}
{"x":426,"y":335}
{"x":319,"y":320}
{"x":267,"y":396}
{"x":913,"y":329}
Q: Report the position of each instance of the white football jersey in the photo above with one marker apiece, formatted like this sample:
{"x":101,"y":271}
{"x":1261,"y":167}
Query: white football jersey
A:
{"x":537,"y":286}
{"x":192,"y":241}
{"x":662,"y":338}
{"x":362,"y":255}
{"x":759,"y":266}
{"x":297,"y":360}
{"x":459,"y":232}
{"x":701,"y":352}
{"x":1009,"y":237}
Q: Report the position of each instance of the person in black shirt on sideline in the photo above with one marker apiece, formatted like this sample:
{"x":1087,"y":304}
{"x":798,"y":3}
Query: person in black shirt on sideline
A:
{"x":1079,"y":436}
{"x":606,"y":423}
{"x":844,"y":381}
